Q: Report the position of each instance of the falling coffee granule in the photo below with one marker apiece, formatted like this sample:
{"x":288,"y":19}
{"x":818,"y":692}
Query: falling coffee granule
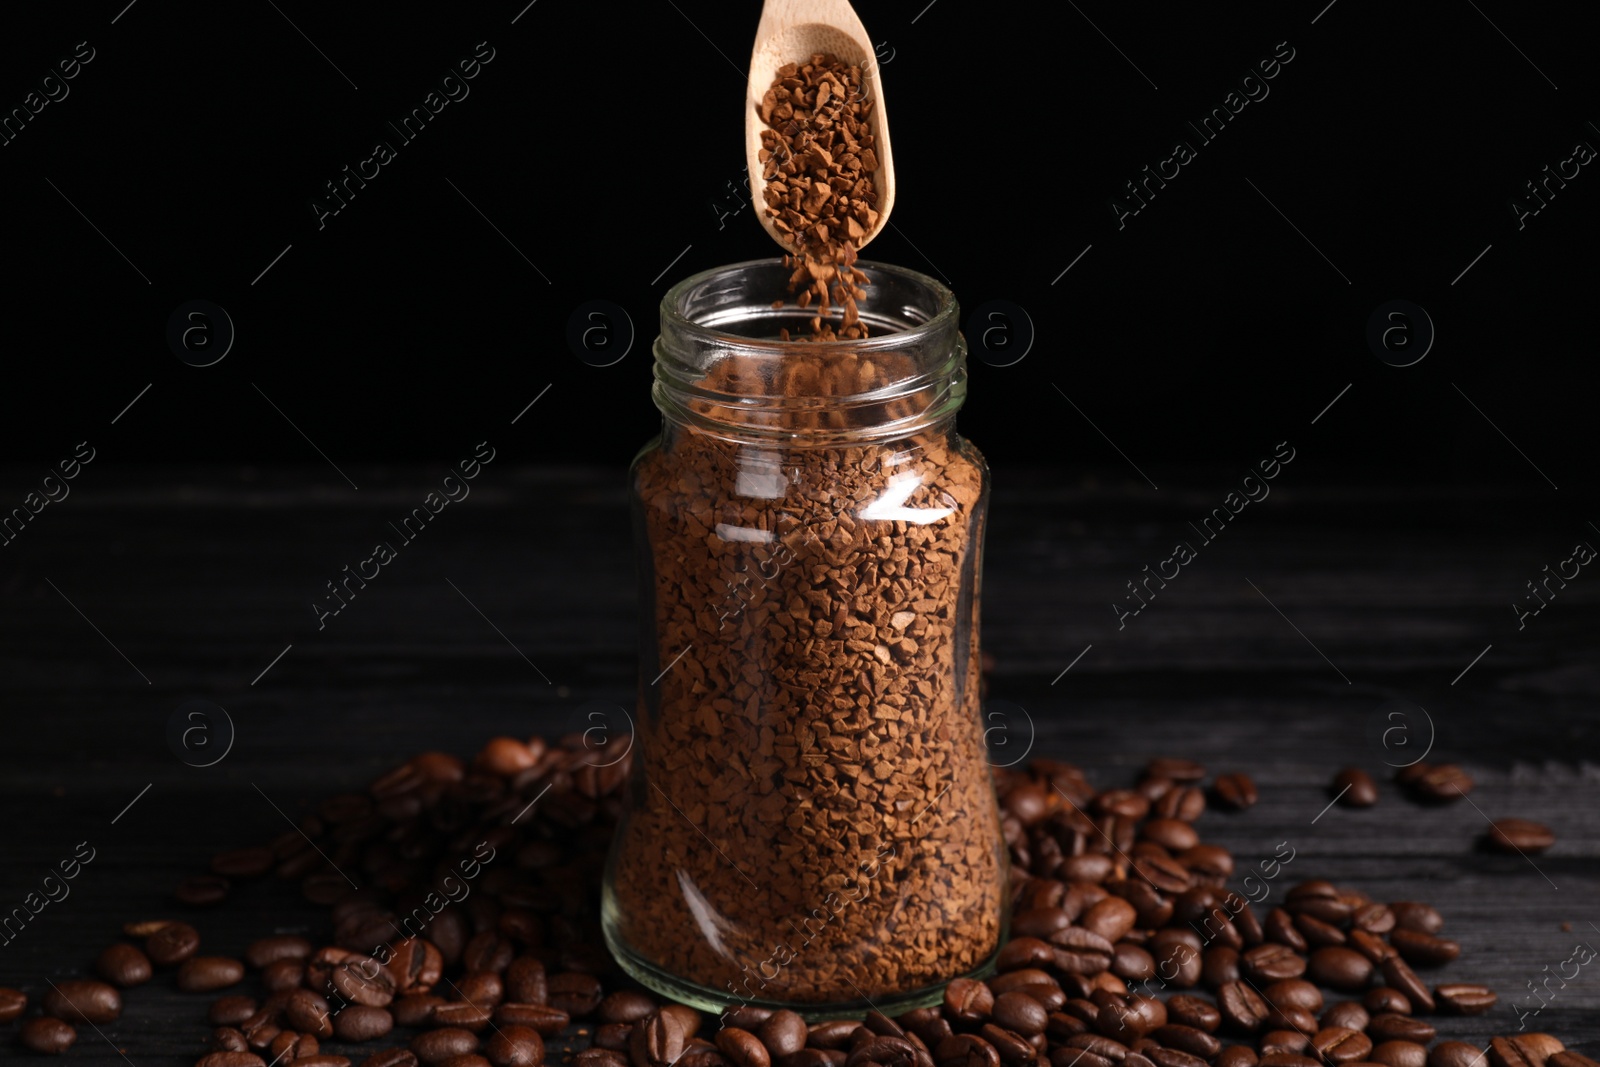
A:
{"x":818,"y":161}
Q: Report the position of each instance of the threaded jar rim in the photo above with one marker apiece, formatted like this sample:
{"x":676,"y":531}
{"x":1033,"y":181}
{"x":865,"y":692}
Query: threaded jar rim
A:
{"x":726,"y":314}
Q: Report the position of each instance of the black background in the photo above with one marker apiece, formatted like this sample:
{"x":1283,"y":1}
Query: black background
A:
{"x":600,"y":138}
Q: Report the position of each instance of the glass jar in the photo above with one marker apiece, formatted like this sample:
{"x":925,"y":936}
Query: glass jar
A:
{"x":811,"y":821}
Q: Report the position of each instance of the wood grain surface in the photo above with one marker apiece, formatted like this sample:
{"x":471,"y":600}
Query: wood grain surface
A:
{"x":1286,"y":649}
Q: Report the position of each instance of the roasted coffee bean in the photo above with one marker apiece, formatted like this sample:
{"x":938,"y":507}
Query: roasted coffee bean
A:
{"x":1128,"y":803}
{"x":546,"y":1020}
{"x":1535,"y":1048}
{"x":231,"y":1011}
{"x":515,"y":1046}
{"x":966,"y":1050}
{"x":526,"y":982}
{"x":1184,"y":802}
{"x":1568,"y":1058}
{"x":171,"y":944}
{"x":1013,"y":1048}
{"x":1287,"y":1059}
{"x":49,"y":1036}
{"x":322,"y":1059}
{"x":414,"y":1009}
{"x":600,"y":1057}
{"x":968,"y":1000}
{"x":228,"y":1039}
{"x":1132,"y":963}
{"x":83,"y":1000}
{"x":265,"y":951}
{"x":1382,"y":1000}
{"x":657,"y":1040}
{"x":1340,"y":1044}
{"x":1184,"y":1010}
{"x":1219,"y":966}
{"x":463,"y":1016}
{"x":1040,"y":922}
{"x":1020,"y":1013}
{"x":1464,"y":998}
{"x":13,"y":1002}
{"x":202,"y":890}
{"x":1171,"y":1057}
{"x":205,"y":974}
{"x":1208,"y":862}
{"x":1398,"y":973}
{"x":230,"y":1059}
{"x":1424,"y":950}
{"x":391,"y":1057}
{"x":259,"y":1038}
{"x":1347,"y":1013}
{"x":363,"y":980}
{"x":1236,"y":1056}
{"x":1289,"y":1019}
{"x":307,"y":1012}
{"x":284,"y":975}
{"x":1354,"y":788}
{"x":289,"y":1046}
{"x":614,"y":1036}
{"x":1241,"y":1007}
{"x":1280,"y":929}
{"x":1291,"y":1041}
{"x":742,"y":1048}
{"x":1175,"y":769}
{"x":1174,"y":835}
{"x":1456,"y":1054}
{"x":123,"y":965}
{"x":1339,"y":968}
{"x":1393,"y":1027}
{"x":1441,"y":784}
{"x":485,"y":989}
{"x":1110,"y":918}
{"x":486,"y":950}
{"x":1293,"y":993}
{"x":623,"y":1006}
{"x":1318,"y":932}
{"x":575,"y":993}
{"x":689,"y":1021}
{"x":1079,"y":951}
{"x":1163,"y":872}
{"x":834,"y":1034}
{"x":1373,"y":918}
{"x":1234,"y":791}
{"x":437,"y":1046}
{"x":1022,"y":978}
{"x":1371,"y":946}
{"x":1400,"y":1054}
{"x":1190,"y":1039}
{"x":1414,"y":915}
{"x":1025,"y":952}
{"x":415,"y":966}
{"x":783,"y":1033}
{"x":1128,"y":1019}
{"x":1271,"y":963}
{"x":360,"y":1022}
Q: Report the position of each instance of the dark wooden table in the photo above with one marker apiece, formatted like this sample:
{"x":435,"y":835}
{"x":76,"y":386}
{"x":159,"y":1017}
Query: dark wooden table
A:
{"x":1324,"y":619}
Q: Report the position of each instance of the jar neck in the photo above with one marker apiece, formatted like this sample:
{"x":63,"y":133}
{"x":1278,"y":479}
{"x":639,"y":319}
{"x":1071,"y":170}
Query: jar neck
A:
{"x":721,"y":369}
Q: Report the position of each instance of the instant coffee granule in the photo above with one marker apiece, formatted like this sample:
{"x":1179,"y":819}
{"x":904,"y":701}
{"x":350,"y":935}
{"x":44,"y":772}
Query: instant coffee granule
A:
{"x":818,"y":160}
{"x":818,"y":823}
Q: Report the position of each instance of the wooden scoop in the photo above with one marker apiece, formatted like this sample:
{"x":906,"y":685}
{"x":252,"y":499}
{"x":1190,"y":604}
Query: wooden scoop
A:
{"x":791,"y":31}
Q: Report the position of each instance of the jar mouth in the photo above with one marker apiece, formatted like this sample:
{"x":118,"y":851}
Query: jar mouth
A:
{"x":722,"y":368}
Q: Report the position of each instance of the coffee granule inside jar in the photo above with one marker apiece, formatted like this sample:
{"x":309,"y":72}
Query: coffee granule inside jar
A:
{"x":818,"y":161}
{"x":818,"y":823}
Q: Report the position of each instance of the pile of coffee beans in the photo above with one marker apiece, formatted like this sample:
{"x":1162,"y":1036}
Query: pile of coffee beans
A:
{"x":475,"y":934}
